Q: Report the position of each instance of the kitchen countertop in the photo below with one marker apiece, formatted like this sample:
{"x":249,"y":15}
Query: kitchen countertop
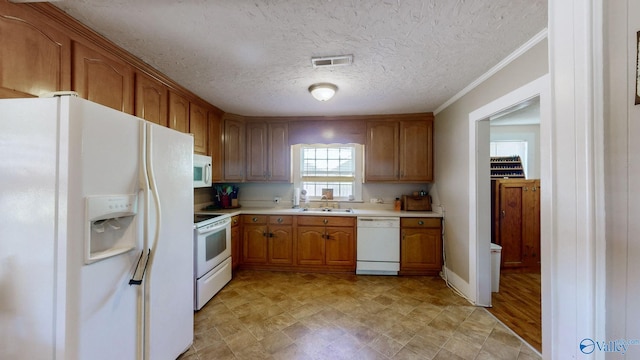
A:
{"x":317,"y":212}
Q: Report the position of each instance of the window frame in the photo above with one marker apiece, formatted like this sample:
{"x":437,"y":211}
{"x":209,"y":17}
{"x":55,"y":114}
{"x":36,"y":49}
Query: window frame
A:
{"x":296,"y":155}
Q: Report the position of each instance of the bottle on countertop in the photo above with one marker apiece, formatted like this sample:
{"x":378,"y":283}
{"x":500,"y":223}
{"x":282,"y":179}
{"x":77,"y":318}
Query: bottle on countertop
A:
{"x":397,"y":205}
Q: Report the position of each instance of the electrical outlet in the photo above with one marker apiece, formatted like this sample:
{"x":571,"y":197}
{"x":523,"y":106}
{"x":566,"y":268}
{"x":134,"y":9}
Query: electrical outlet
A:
{"x":276,"y":199}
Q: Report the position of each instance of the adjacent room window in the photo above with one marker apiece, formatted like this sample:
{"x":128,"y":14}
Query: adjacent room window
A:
{"x":333,"y":170}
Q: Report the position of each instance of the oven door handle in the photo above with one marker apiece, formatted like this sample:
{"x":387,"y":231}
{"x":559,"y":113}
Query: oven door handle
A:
{"x":207,"y":230}
{"x":138,"y":281}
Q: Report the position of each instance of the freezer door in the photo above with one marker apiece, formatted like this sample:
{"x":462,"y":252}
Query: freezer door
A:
{"x":169,"y":285}
{"x":101,"y":308}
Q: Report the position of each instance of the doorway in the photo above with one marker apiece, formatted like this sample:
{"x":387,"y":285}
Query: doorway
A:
{"x":479,"y":182}
{"x":515,"y":217}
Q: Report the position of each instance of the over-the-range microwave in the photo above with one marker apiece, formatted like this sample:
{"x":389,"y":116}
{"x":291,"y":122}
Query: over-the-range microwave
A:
{"x":201,"y":171}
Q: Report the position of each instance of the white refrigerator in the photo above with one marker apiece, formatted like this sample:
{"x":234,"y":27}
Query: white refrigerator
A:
{"x":90,"y":198}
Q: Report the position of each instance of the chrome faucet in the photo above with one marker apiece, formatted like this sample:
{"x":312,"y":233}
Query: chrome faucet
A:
{"x":326,"y":201}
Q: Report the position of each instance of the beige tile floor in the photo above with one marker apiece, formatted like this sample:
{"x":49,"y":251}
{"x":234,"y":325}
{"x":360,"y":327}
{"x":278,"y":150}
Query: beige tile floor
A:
{"x":279,"y":315}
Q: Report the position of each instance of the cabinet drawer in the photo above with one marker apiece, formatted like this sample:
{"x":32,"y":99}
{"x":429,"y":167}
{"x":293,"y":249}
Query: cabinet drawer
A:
{"x":254,"y":219}
{"x":420,"y":222}
{"x":280,"y":220}
{"x":326,"y":220}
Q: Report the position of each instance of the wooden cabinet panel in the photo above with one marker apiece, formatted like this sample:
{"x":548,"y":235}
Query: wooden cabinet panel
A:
{"x":326,"y":241}
{"x":234,"y":150}
{"x":268,"y":154}
{"x":151,"y":100}
{"x":420,"y":246}
{"x":215,"y":145}
{"x":236,"y":252}
{"x":270,"y":244}
{"x":416,"y":149}
{"x":198,"y":127}
{"x":257,"y":152}
{"x":102,"y":79}
{"x":420,"y":249}
{"x":381,"y":153}
{"x":280,"y":244}
{"x":254,"y":244}
{"x":340,"y":246}
{"x":399,"y":151}
{"x":178,"y":113}
{"x":34,"y":57}
{"x":279,"y":152}
{"x":310,"y":244}
{"x":326,"y":220}
{"x":516,"y":215}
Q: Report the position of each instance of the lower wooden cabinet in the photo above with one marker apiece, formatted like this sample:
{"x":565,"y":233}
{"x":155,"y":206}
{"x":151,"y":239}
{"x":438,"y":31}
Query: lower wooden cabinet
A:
{"x":235,"y":242}
{"x":327,"y":241}
{"x":420,"y":246}
{"x":304,"y":243}
{"x":267,"y":239}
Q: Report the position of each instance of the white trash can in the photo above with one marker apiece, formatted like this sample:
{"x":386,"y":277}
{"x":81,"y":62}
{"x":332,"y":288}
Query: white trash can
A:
{"x":496,"y":253}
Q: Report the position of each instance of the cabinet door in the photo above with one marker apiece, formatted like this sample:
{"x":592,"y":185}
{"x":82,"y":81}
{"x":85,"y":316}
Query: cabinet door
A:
{"x":257,"y":143}
{"x":420,"y":250}
{"x":234,"y":150}
{"x":34,"y":58}
{"x":511,"y":206}
{"x":178,"y":113}
{"x":235,"y":243}
{"x":340,"y":246}
{"x":381,"y":152}
{"x":311,"y":245}
{"x":151,"y":100}
{"x":254,"y":244}
{"x":279,"y":153}
{"x":416,"y":150}
{"x":215,"y":144}
{"x":280,"y":244}
{"x":531,"y":225}
{"x":199,"y":129}
{"x":102,"y":79}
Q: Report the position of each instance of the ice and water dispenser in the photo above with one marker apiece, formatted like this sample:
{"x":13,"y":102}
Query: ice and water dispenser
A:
{"x":110,"y":226}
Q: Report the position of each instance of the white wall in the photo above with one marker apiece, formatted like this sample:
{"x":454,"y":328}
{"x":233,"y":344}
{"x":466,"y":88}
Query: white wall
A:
{"x":622,"y":169}
{"x":452,"y":150}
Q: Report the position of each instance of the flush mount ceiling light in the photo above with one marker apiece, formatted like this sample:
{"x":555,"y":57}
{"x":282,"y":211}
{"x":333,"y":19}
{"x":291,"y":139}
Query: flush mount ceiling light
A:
{"x":323,"y":91}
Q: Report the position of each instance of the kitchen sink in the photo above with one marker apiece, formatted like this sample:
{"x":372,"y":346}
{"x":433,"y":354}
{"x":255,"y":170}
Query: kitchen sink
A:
{"x":328,"y":210}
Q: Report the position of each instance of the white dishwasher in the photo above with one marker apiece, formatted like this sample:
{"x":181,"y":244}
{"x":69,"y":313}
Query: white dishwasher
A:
{"x":378,"y":251}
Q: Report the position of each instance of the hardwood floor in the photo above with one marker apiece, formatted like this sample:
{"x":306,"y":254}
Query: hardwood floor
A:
{"x":518,"y":306}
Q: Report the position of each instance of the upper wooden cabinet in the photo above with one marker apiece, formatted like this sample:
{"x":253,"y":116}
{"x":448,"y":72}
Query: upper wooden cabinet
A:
{"x":178,"y":112}
{"x":102,"y":79}
{"x":399,"y":151}
{"x":234,"y":149}
{"x":268,"y":154}
{"x":35,"y":58}
{"x":215,"y":144}
{"x":416,"y":150}
{"x":198,"y":127}
{"x":151,"y":100}
{"x":381,"y":152}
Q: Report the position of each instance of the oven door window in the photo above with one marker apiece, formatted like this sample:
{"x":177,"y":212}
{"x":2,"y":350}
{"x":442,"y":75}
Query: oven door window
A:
{"x":215,"y":244}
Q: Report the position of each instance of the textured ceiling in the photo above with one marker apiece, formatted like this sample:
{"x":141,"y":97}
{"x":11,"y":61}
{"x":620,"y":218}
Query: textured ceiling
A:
{"x":253,"y":57}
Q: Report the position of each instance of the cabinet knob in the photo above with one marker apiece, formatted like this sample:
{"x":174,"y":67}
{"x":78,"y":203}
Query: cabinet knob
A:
{"x":325,"y":221}
{"x":280,"y":220}
{"x":255,"y":219}
{"x":420,"y":222}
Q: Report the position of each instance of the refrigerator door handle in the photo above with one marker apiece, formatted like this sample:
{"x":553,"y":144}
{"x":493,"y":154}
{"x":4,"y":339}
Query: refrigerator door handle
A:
{"x":138,"y":281}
